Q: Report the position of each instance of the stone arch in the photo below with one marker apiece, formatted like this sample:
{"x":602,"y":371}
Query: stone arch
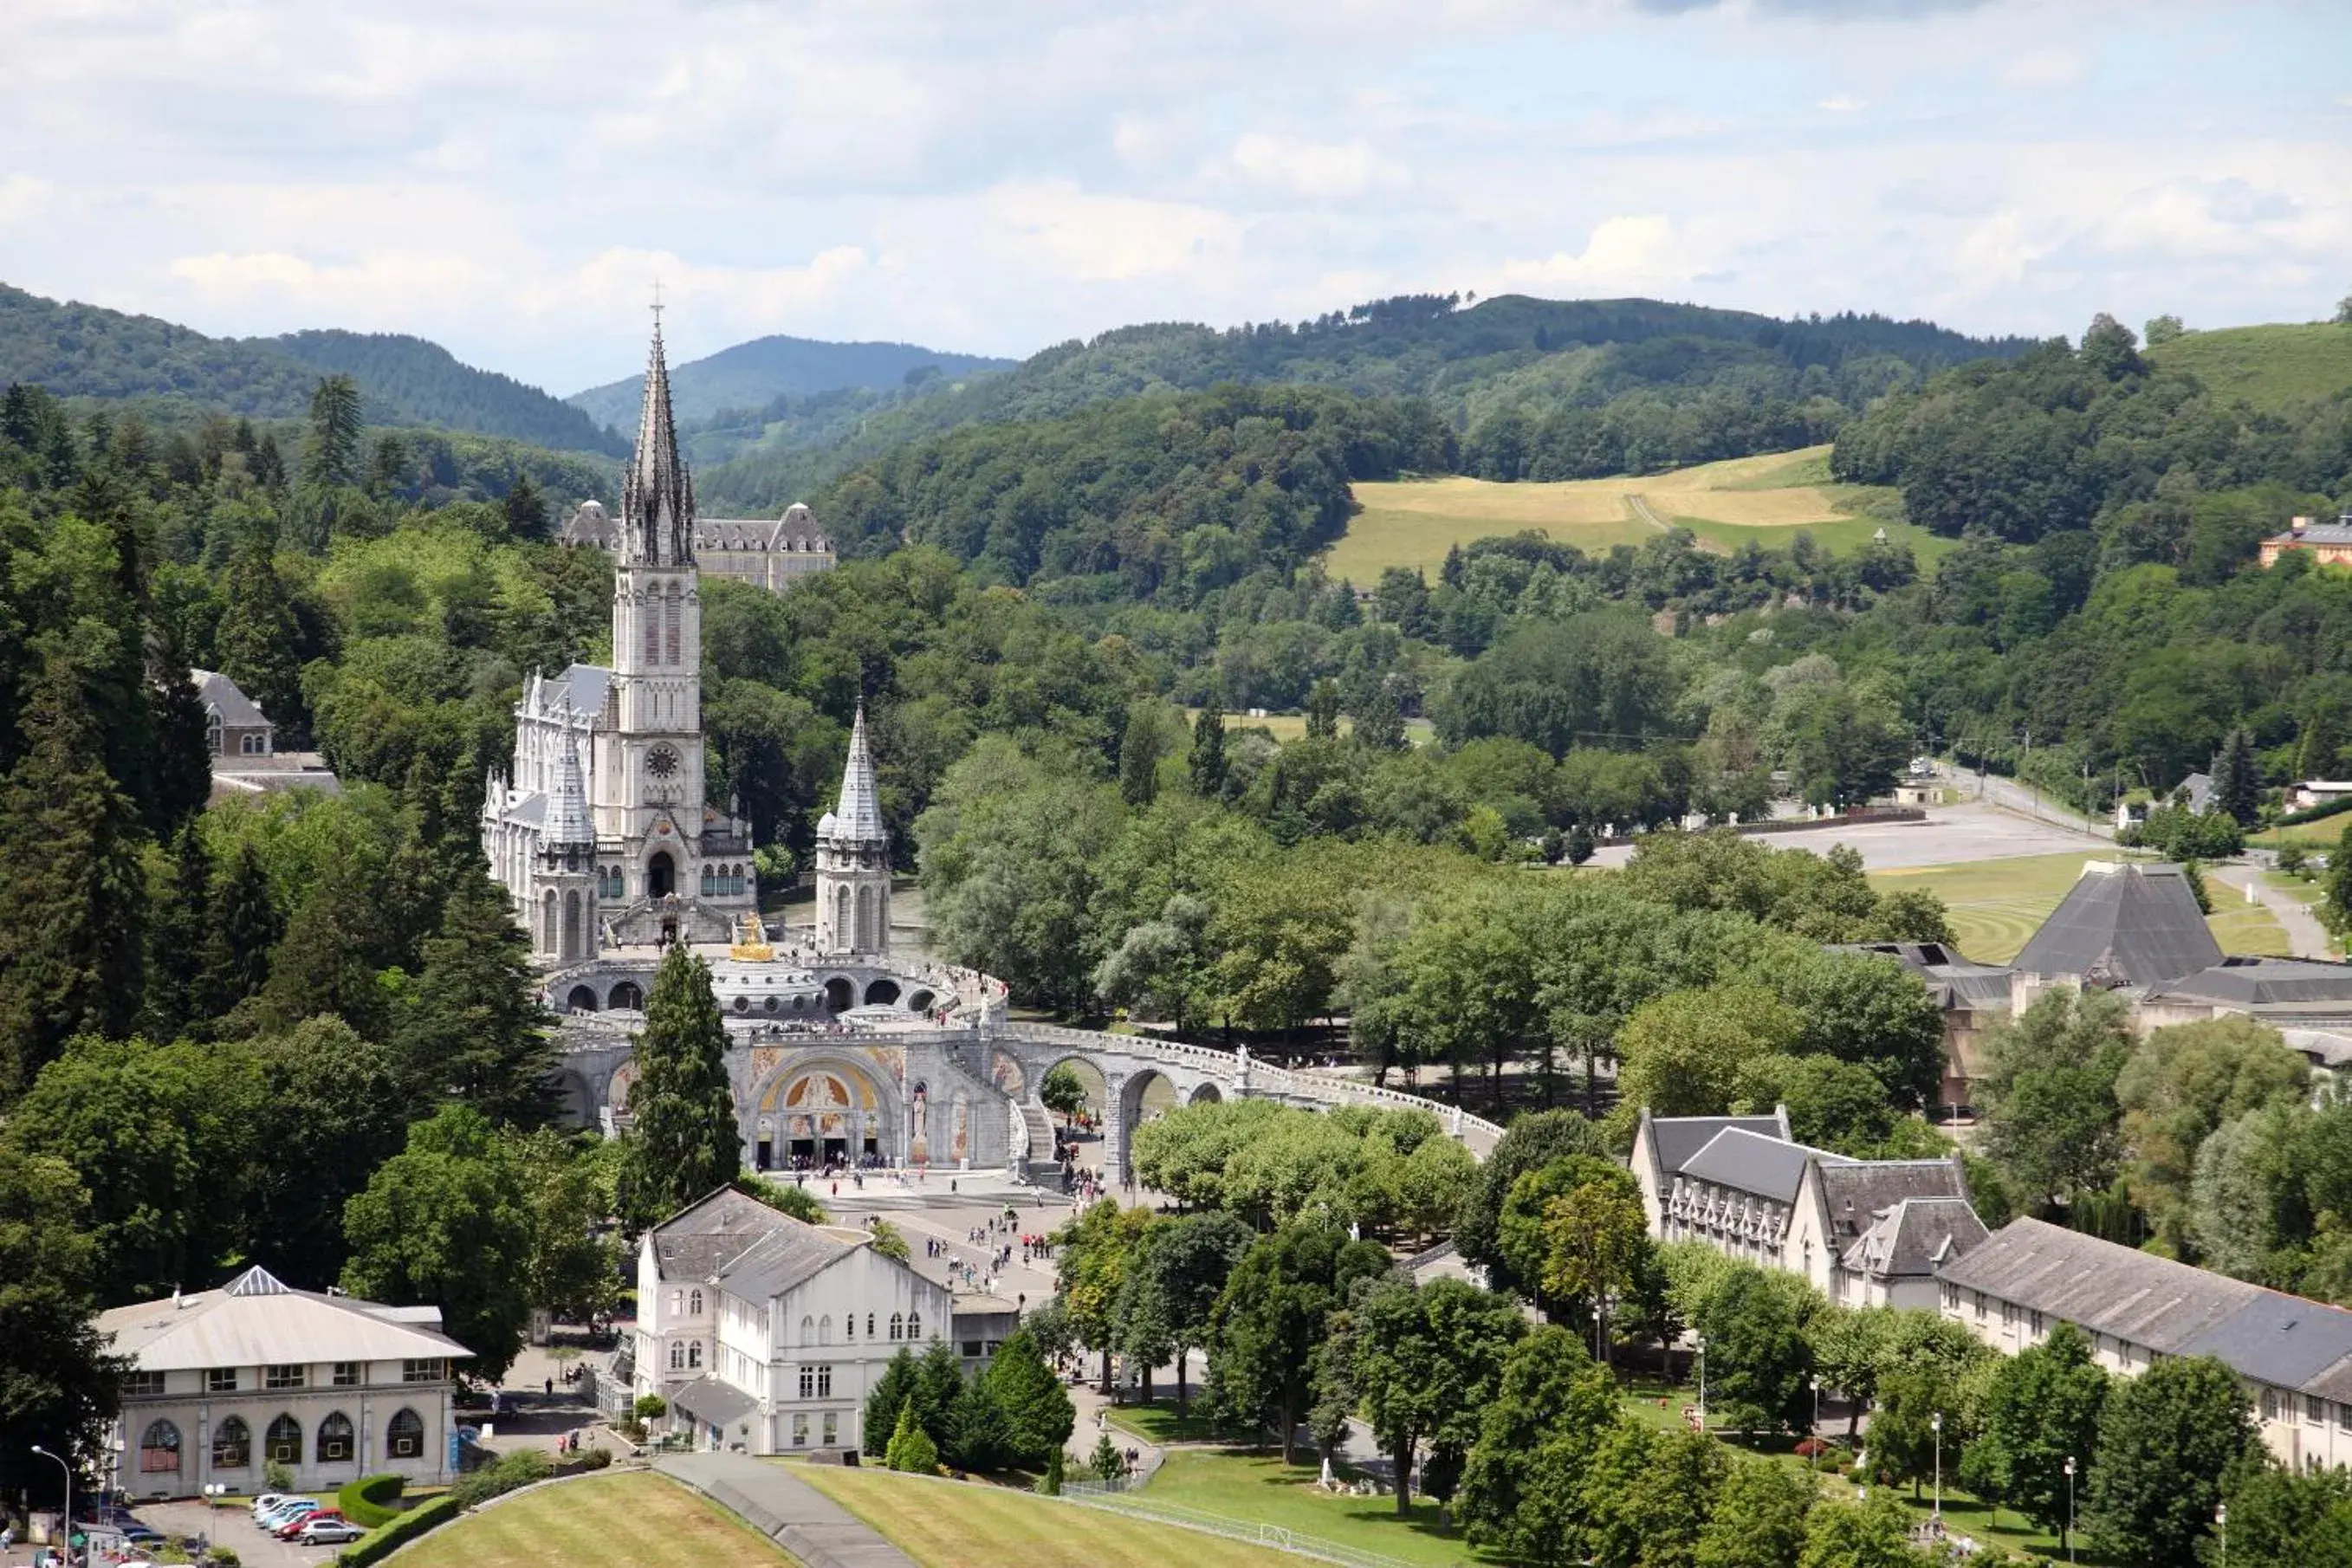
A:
{"x":840,"y":993}
{"x":1204,"y":1094}
{"x":882,"y":991}
{"x":1091,"y":1076}
{"x":581,"y":999}
{"x":826,"y":1109}
{"x":627,"y":996}
{"x":921,"y":1001}
{"x":661,"y":874}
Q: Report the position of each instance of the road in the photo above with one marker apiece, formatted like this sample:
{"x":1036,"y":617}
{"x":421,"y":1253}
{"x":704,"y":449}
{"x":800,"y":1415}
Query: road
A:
{"x":2307,"y":938}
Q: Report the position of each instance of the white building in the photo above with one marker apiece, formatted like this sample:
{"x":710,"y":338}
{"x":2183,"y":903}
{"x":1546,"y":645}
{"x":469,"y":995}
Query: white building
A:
{"x":1862,"y":1232}
{"x":2292,"y":1357}
{"x":765,"y":1334}
{"x":224,"y":1382}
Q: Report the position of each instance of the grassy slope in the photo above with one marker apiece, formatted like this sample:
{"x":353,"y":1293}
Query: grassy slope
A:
{"x":1260,"y":1489}
{"x":979,"y":1526}
{"x":2269,"y":367}
{"x":1767,"y":497}
{"x":633,"y":1520}
{"x":1996,"y":904}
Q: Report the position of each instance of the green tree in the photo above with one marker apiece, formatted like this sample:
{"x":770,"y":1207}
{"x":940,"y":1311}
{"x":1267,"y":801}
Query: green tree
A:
{"x":1552,"y":1407}
{"x":1060,"y":1092}
{"x":1683,"y":1053}
{"x":574,"y":1267}
{"x":886,"y":1404}
{"x":911,"y":1448}
{"x":1141,"y":744}
{"x":1050,"y":1483}
{"x":2166,"y":1438}
{"x":1759,"y":1518}
{"x":73,"y":903}
{"x":1038,"y":1415}
{"x":1094,"y":1251}
{"x":1206,"y":768}
{"x":1271,"y":1317}
{"x":258,"y":641}
{"x":2336,"y":908}
{"x":2289,"y":1519}
{"x":178,"y":924}
{"x":61,"y":1382}
{"x":979,"y":1437}
{"x":682,"y":1141}
{"x":246,"y":928}
{"x":1529,"y":1143}
{"x":1758,"y":1358}
{"x":331,"y":1113}
{"x":2181,"y":1084}
{"x":330,"y":450}
{"x":472,"y":1028}
{"x":448,"y":1222}
{"x":183,"y":769}
{"x":2042,"y":1409}
{"x":1597,"y":1245}
{"x":1648,"y":1496}
{"x":1873,"y":1534}
{"x":1323,"y":711}
{"x":2237,"y":782}
{"x":1427,"y":1360}
{"x":2047,"y":1094}
{"x":1184,"y":1263}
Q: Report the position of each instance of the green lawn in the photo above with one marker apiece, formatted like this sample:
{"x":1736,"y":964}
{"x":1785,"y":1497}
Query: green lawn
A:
{"x":1157,"y":1423}
{"x":970,"y":1524}
{"x":2271,"y":367}
{"x":1289,"y":727}
{"x":1259,"y":1489}
{"x":634,"y":1521}
{"x":1996,"y":905}
{"x":2324,"y":833}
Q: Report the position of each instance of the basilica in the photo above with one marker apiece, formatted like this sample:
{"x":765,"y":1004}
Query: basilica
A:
{"x":603,"y":834}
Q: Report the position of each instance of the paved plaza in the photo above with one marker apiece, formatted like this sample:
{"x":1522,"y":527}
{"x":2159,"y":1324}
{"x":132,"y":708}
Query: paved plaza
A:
{"x":1951,"y":835}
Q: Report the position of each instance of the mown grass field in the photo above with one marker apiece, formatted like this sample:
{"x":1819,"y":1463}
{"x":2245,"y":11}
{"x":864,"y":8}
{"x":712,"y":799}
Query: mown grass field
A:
{"x":1996,"y":905}
{"x":1769,"y":498}
{"x":1260,"y":1488}
{"x":973,"y":1525}
{"x":634,"y":1520}
{"x":2324,"y":833}
{"x":2271,"y":367}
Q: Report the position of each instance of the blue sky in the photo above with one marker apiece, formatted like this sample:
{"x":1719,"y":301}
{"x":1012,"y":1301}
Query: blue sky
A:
{"x":509,"y":177}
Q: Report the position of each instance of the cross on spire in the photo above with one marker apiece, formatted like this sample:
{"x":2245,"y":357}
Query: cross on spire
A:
{"x":658,"y":305}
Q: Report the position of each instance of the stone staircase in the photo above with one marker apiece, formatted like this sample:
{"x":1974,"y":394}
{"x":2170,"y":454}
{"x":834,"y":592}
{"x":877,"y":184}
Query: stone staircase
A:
{"x":1040,"y":1161}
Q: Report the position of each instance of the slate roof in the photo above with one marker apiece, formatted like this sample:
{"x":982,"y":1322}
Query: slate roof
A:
{"x":2251,"y":983}
{"x":223,"y":695}
{"x":1915,"y":1237}
{"x":1858,"y":1192}
{"x":2099,"y":1285}
{"x":2124,"y":924}
{"x":2318,"y":534}
{"x":1759,"y":1163}
{"x":716,"y":1403}
{"x":1950,"y":976}
{"x":856,"y":816}
{"x":256,"y":1320}
{"x":1676,"y":1139}
{"x":2279,"y":1339}
{"x":736,"y":1240}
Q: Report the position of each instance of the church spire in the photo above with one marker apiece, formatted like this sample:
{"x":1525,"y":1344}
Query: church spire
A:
{"x":656,"y":494}
{"x":567,"y":809}
{"x":857,"y":815}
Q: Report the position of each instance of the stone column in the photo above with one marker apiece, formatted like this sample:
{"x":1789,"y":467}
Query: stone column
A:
{"x":1115,"y":1129}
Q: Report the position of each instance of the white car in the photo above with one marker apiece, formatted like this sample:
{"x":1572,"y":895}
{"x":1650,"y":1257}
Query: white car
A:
{"x":266,"y":1502}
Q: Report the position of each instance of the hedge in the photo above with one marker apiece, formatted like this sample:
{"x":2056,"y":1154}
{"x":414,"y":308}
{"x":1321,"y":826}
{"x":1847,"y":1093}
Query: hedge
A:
{"x":2319,"y":813}
{"x":368,"y":1501}
{"x":405,"y":1528}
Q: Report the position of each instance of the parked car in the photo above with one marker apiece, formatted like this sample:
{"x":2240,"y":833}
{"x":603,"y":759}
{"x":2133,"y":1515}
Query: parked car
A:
{"x":266,"y":1502}
{"x":327,"y":1533}
{"x":286,"y":1531}
{"x":288,"y":1508}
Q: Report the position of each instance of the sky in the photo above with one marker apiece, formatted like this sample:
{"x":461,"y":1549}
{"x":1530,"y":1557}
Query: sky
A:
{"x":510,"y":177}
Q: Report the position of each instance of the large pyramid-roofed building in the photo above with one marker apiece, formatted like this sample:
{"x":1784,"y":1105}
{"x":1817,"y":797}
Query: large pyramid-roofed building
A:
{"x":2124,"y":924}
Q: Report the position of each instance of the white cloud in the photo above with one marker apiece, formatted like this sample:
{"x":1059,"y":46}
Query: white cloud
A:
{"x":23,"y":197}
{"x":2043,"y":68}
{"x":1842,"y":105}
{"x":1622,"y":254}
{"x":1314,"y":170}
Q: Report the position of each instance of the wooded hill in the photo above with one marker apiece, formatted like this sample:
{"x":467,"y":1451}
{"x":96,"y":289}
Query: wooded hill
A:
{"x":754,"y":374}
{"x":1536,"y":388}
{"x":84,"y":351}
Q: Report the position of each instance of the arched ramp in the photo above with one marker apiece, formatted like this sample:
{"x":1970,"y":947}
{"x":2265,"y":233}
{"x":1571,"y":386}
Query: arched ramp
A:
{"x":840,"y":993}
{"x":581,"y":999}
{"x":881,"y":993}
{"x":627,"y":995}
{"x":1206,"y":1094}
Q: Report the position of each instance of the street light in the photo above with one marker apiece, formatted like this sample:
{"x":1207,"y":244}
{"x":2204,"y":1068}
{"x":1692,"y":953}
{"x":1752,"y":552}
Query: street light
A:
{"x":2221,"y":1518}
{"x":2069,"y":1508}
{"x":1937,"y":1421}
{"x":69,"y":1470}
{"x":1815,"y":1434}
{"x":1701,"y":1339}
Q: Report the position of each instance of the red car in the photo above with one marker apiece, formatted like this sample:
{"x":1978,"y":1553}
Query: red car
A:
{"x":293,"y":1527}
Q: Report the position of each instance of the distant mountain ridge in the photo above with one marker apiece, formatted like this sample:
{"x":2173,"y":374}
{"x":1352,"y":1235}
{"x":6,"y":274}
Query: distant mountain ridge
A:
{"x":752,"y":374}
{"x":87,"y":350}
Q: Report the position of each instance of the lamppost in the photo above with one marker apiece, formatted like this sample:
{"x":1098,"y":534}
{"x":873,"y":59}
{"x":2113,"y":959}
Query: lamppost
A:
{"x":2221,"y":1518}
{"x":1937,"y":1422}
{"x":2069,"y":1508}
{"x":1701,"y":1339}
{"x":69,"y":1472}
{"x":1814,"y":1433}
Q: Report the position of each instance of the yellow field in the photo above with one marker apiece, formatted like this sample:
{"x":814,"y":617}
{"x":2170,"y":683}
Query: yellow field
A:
{"x":639,"y":1519}
{"x":1413,"y":523}
{"x":1289,"y":727}
{"x":1997,"y":905}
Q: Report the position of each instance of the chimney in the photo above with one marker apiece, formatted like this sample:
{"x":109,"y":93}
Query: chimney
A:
{"x":2297,"y":524}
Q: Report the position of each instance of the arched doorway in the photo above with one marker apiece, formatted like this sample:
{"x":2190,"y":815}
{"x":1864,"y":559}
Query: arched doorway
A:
{"x":627,"y":997}
{"x":840,"y":995}
{"x":881,"y":993}
{"x":661,"y":875}
{"x":583,"y":999}
{"x":1207,"y":1094}
{"x":824,"y":1113}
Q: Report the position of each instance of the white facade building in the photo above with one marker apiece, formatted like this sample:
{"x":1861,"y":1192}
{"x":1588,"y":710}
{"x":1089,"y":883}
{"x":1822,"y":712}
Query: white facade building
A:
{"x":224,"y":1382}
{"x":765,"y":1334}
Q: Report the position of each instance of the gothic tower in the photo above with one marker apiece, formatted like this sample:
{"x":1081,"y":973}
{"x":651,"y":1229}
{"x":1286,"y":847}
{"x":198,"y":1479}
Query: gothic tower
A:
{"x":649,"y":772}
{"x":853,"y":860}
{"x":564,"y":925}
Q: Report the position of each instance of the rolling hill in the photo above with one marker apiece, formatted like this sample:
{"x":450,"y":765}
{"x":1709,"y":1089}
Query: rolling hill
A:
{"x":2269,"y":367}
{"x":754,"y":374}
{"x":86,"y":351}
{"x":1507,"y":367}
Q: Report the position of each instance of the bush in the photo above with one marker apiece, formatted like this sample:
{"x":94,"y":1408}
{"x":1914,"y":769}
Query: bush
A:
{"x":277,"y":1478}
{"x":406,"y":1528}
{"x":222,"y":1557}
{"x":504,"y":1474}
{"x":911,"y":1448}
{"x":596,"y":1458}
{"x":369,"y":1502}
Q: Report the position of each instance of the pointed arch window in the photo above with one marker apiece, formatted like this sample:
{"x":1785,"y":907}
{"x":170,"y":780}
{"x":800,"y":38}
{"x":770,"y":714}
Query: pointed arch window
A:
{"x":404,"y":1436}
{"x":232,"y":1445}
{"x":651,"y":608}
{"x":676,"y":621}
{"x":335,"y":1439}
{"x":284,"y":1442}
{"x":914,"y":1325}
{"x":159,"y":1449}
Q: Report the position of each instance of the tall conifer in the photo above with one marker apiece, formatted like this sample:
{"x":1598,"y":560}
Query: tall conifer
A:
{"x":473,"y":1028}
{"x":1208,"y":759}
{"x":682,"y":1139}
{"x":177,"y":926}
{"x":244,"y":931}
{"x":257,"y":636}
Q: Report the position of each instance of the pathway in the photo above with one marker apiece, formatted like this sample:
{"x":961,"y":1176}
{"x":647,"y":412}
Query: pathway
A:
{"x":805,"y":1522}
{"x":2305,"y":936}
